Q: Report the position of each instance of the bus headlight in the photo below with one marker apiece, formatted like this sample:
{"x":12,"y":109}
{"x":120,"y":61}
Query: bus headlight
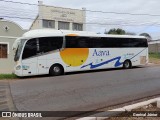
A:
{"x":18,"y":67}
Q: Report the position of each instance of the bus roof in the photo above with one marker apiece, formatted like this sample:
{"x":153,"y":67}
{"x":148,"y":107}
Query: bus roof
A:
{"x":52,"y":32}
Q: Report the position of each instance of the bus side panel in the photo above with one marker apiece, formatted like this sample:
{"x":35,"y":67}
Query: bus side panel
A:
{"x":29,"y":66}
{"x":113,"y":57}
{"x":54,"y":58}
{"x":140,"y":56}
{"x":95,"y":58}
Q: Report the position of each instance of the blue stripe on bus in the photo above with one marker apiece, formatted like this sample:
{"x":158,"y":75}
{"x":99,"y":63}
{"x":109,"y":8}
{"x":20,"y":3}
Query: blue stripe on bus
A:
{"x":103,"y":63}
{"x":117,"y":64}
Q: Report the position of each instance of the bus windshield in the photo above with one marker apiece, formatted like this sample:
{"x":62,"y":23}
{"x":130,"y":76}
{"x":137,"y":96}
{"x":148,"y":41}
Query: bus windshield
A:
{"x":19,"y":49}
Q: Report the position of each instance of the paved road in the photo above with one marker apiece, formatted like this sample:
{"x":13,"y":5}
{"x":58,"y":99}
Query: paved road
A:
{"x":85,"y":91}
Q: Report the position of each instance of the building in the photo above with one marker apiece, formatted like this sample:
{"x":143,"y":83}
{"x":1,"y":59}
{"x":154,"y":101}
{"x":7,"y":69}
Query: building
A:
{"x":59,"y":18}
{"x":154,"y":46}
{"x":9,"y":31}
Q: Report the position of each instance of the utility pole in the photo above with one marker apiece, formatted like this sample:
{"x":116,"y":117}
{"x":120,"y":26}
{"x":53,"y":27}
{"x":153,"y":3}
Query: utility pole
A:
{"x":40,"y":12}
{"x":84,"y":18}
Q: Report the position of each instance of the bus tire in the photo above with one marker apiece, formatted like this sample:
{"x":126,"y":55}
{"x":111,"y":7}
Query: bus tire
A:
{"x":56,"y":70}
{"x":127,"y":64}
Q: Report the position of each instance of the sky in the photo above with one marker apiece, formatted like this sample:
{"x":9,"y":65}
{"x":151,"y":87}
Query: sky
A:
{"x":144,"y":14}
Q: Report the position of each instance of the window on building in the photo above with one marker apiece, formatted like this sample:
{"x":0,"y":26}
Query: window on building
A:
{"x":63,"y":25}
{"x":3,"y":50}
{"x":48,"y":23}
{"x":77,"y":27}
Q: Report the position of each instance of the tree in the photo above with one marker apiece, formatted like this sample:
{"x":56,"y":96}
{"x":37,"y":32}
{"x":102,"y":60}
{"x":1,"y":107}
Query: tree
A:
{"x":130,"y":33}
{"x":146,"y":35}
{"x":117,"y":31}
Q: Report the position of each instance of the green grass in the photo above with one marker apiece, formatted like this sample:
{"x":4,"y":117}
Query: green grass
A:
{"x":7,"y":76}
{"x":154,"y":58}
{"x":154,"y":55}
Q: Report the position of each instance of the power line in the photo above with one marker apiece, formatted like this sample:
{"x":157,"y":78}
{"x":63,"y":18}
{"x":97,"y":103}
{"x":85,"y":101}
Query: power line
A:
{"x":20,"y":12}
{"x":16,"y":17}
{"x":89,"y":23}
{"x":9,"y":1}
{"x":110,"y":12}
{"x":110,"y":21}
{"x":121,"y":24}
{"x":16,"y":9}
{"x":117,"y":19}
{"x":124,"y":13}
{"x":30,"y":14}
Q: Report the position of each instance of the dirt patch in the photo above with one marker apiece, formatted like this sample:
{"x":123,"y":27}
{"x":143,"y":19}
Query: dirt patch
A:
{"x":154,"y":60}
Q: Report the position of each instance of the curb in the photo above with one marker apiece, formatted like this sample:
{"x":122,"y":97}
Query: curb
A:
{"x":123,"y":109}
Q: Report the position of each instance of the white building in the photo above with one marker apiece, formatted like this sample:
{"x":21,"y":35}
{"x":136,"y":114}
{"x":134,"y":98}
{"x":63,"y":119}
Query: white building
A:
{"x":59,"y":18}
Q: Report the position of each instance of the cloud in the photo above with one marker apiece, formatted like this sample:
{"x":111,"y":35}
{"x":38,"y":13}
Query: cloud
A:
{"x":131,"y":23}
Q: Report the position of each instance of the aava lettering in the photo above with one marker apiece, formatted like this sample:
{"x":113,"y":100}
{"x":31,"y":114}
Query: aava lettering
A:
{"x":101,"y":53}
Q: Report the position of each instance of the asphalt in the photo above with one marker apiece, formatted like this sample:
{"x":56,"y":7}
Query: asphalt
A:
{"x":85,"y":91}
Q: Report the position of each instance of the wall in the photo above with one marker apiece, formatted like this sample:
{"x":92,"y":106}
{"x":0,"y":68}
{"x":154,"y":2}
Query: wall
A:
{"x":59,"y":14}
{"x":154,"y":48}
{"x":9,"y":35}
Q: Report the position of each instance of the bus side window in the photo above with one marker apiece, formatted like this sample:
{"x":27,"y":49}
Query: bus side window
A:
{"x":47,"y":44}
{"x":78,"y":42}
{"x":97,"y":42}
{"x":137,"y":42}
{"x":30,"y":49}
{"x":84,"y":42}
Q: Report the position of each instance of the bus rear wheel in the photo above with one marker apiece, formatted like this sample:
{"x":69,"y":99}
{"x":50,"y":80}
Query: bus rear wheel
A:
{"x":127,"y":64}
{"x":56,"y":70}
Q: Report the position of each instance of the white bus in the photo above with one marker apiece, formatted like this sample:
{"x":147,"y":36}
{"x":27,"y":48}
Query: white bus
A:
{"x":56,"y":52}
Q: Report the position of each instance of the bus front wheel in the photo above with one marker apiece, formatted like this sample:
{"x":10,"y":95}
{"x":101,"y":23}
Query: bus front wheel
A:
{"x":56,"y":70}
{"x":127,"y":64}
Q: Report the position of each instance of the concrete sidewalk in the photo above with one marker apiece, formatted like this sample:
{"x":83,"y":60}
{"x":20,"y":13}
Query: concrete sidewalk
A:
{"x":6,"y":103}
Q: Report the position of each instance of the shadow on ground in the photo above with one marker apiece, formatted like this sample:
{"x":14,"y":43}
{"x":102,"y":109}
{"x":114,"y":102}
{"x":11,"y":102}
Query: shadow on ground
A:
{"x":80,"y":72}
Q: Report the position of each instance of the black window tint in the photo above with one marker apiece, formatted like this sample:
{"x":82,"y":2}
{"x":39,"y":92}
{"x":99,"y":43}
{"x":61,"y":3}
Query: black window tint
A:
{"x":133,"y":42}
{"x":145,"y":42}
{"x":47,"y":44}
{"x":30,"y":49}
{"x":104,"y":42}
{"x":124,"y":42}
{"x":78,"y":42}
{"x":137,"y":42}
{"x":98,"y":42}
{"x":70,"y":42}
{"x":112,"y":42}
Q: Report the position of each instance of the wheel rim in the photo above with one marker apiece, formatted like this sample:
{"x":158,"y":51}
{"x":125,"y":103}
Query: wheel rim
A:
{"x":56,"y":69}
{"x":126,"y":64}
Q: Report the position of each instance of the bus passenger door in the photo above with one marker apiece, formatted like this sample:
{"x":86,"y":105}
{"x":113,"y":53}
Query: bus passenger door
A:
{"x":29,"y":58}
{"x":47,"y":47}
{"x":41,"y":64}
{"x":29,"y":66}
